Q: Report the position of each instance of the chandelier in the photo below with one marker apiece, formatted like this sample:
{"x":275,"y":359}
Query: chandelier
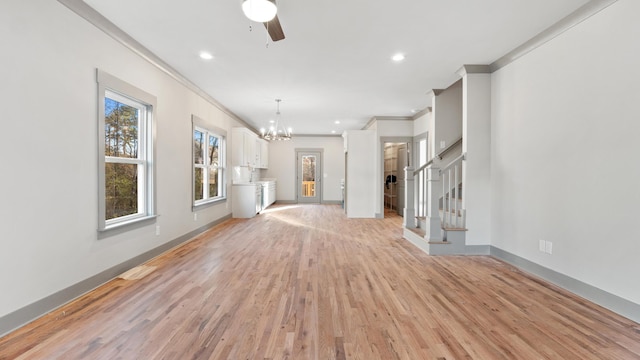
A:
{"x":275,"y":131}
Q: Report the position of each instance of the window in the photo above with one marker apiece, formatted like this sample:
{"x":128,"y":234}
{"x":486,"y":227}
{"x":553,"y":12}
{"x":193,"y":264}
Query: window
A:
{"x":208,"y":163}
{"x":126,"y":174}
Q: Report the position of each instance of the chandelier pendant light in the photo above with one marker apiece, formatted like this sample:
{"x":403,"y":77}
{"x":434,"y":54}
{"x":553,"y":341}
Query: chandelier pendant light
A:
{"x":276,"y":132}
{"x":259,"y":10}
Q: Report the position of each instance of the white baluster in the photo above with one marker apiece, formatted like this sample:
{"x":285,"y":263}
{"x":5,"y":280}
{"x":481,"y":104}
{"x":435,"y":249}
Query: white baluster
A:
{"x":455,"y":185}
{"x":444,"y":198}
{"x":424,"y":192}
{"x":450,"y":197}
{"x":409,"y":220}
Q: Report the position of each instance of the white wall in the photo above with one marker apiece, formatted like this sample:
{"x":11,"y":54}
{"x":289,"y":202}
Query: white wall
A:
{"x":282,"y":165}
{"x":395,"y":128}
{"x":360,"y":183}
{"x":476,"y":143}
{"x":447,"y":118}
{"x":565,"y":152}
{"x":421,"y":124}
{"x":48,"y":211}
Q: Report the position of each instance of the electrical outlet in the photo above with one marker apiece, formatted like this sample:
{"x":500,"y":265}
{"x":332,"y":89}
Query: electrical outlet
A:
{"x":549,"y":248}
{"x":157,"y":230}
{"x":542,"y":246}
{"x":442,"y":144}
{"x":195,"y":216}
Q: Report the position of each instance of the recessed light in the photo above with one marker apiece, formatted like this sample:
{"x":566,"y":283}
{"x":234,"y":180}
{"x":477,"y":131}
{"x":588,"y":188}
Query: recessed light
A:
{"x":205,"y":55}
{"x":272,"y":121}
{"x":397,"y":57}
{"x":333,"y":131}
{"x":337,"y":122}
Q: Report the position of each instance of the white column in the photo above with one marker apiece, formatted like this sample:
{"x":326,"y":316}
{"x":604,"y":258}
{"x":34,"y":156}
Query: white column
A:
{"x":433,"y":227}
{"x":409,"y":220}
{"x":476,"y":143}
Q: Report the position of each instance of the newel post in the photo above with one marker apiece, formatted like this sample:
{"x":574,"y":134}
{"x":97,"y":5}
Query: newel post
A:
{"x":433,"y":226}
{"x":409,"y":220}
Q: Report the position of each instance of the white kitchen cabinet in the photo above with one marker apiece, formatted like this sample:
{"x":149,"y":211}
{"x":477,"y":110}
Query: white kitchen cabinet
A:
{"x":262,"y":153}
{"x":243,"y":152}
{"x":271,"y":193}
{"x":268,"y":192}
{"x":246,"y":200}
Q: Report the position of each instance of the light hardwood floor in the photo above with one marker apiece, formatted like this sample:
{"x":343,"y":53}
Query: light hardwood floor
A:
{"x":305,"y":282}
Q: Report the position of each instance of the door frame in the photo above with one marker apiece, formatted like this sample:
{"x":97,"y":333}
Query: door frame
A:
{"x":319,"y":174}
{"x":389,"y":139}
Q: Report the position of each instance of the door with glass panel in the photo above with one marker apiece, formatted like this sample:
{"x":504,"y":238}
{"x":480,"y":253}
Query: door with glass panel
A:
{"x":309,"y":175}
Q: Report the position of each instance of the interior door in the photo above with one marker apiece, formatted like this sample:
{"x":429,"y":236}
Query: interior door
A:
{"x":309,"y":175}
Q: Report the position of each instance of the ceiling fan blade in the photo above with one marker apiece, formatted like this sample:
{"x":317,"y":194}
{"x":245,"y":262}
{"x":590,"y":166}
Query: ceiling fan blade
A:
{"x":274,"y":29}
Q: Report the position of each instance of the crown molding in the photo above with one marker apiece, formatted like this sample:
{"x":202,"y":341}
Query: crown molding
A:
{"x":293,"y":136}
{"x":435,"y":92}
{"x":422,"y":112}
{"x":369,"y":123}
{"x":393,"y":118}
{"x":474,"y":69}
{"x":581,"y":14}
{"x":386,"y":118}
{"x":98,"y":20}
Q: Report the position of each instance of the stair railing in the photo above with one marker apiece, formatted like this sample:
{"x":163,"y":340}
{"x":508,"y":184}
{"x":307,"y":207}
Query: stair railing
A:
{"x":425,"y":198}
{"x":453,"y":209}
{"x":420,"y":177}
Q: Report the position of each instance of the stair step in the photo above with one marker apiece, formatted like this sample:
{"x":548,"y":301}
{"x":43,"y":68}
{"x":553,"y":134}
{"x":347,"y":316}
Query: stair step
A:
{"x":418,"y":231}
{"x":454,"y":245}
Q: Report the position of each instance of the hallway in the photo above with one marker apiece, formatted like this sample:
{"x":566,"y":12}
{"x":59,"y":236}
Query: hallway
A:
{"x":305,"y":282}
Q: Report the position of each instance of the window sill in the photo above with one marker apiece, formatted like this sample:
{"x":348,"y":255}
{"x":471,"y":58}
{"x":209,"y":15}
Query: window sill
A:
{"x":120,"y":227}
{"x":206,"y":204}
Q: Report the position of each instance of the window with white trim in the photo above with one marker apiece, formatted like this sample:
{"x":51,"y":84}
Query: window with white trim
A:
{"x":209,"y":165}
{"x":126,"y":174}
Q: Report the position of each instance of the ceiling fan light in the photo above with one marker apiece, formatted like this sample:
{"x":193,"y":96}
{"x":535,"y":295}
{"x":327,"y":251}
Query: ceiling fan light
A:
{"x":259,"y":10}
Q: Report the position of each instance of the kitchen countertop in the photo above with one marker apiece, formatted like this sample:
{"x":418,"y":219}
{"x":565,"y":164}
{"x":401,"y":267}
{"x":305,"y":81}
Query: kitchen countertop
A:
{"x":257,"y":182}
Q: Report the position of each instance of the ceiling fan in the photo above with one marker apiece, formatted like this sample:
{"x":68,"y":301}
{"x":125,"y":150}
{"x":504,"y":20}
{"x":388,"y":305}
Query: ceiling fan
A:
{"x":264,"y":11}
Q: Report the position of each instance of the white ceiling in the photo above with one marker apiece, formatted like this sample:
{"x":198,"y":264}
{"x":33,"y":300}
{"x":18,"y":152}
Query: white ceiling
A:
{"x":335,"y":61}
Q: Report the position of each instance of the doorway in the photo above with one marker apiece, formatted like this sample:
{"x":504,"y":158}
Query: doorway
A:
{"x":309,"y":176}
{"x":395,"y":160}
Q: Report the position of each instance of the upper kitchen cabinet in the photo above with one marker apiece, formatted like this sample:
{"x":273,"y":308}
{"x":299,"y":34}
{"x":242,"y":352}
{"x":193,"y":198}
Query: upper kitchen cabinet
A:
{"x":248,"y":149}
{"x":243,"y":152}
{"x":262,"y":153}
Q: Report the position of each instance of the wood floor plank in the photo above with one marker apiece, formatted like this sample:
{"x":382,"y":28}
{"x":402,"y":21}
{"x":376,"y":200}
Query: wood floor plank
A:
{"x":305,"y":282}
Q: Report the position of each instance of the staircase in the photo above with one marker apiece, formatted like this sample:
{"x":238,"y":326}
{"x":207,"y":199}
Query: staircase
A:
{"x":435,"y":215}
